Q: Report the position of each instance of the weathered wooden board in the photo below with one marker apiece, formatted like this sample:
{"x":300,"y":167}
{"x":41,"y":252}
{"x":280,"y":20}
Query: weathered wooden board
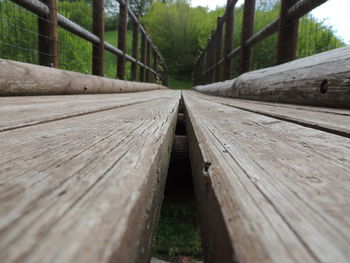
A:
{"x":328,"y":119}
{"x":319,"y":80}
{"x":86,"y":188}
{"x":16,"y":112}
{"x":269,"y":190}
{"x":17,"y":78}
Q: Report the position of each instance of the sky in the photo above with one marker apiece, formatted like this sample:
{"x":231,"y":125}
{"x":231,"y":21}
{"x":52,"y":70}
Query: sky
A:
{"x":336,"y":13}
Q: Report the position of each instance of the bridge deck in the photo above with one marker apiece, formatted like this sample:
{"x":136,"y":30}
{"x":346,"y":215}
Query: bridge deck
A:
{"x":82,"y":177}
{"x":270,"y":190}
{"x":84,"y":182}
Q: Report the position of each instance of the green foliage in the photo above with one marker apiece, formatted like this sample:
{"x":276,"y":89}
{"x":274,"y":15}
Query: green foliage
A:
{"x":75,"y":53}
{"x":177,"y":233}
{"x":180,"y":32}
{"x":111,"y":22}
{"x":176,"y":83}
{"x":111,"y":59}
{"x":79,"y":12}
{"x":18,"y":37}
{"x":315,"y":36}
{"x":140,"y":6}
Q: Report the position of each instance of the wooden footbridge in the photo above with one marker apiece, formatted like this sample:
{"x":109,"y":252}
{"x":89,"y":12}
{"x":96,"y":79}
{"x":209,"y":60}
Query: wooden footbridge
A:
{"x":84,"y":158}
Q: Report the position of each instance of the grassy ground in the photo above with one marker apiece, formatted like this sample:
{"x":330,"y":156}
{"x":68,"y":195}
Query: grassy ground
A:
{"x":112,"y":38}
{"x":177,"y":232}
{"x":175,"y":83}
{"x":111,"y":59}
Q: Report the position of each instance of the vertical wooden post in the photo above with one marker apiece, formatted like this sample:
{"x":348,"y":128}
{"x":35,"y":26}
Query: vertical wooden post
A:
{"x":155,"y":65}
{"x":143,"y":57}
{"x":122,"y":28}
{"x":207,"y":62}
{"x":288,"y":34}
{"x":247,"y":32}
{"x":196,"y":71}
{"x":218,"y":49}
{"x":148,"y":61}
{"x":165,"y":82}
{"x":201,"y":69}
{"x":48,"y":36}
{"x":164,"y":73}
{"x":228,"y":40}
{"x":135,"y":40}
{"x":98,"y":30}
{"x":212,"y":59}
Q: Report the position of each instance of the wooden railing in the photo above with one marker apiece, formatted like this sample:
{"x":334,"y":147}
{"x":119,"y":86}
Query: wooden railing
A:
{"x":50,"y":20}
{"x":213,"y":65}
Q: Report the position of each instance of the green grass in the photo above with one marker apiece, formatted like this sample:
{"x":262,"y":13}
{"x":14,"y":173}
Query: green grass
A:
{"x":112,"y":38}
{"x":177,"y":232}
{"x":110,"y":59}
{"x":176,"y":83}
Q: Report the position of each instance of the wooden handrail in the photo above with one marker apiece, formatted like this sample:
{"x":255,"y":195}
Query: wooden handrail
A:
{"x":291,"y":13}
{"x":96,"y":38}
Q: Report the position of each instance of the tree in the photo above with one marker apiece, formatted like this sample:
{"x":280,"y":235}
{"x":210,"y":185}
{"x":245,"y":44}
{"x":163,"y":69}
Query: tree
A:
{"x":180,"y":31}
{"x":140,"y":6}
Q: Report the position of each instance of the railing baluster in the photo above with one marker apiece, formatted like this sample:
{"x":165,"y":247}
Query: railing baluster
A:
{"x":155,"y":65}
{"x":247,"y":32}
{"x":218,"y":49}
{"x":135,"y":43}
{"x":288,"y":34}
{"x":212,"y":58}
{"x":122,"y":28}
{"x":228,"y":40}
{"x":148,"y":61}
{"x":98,"y":30}
{"x":48,"y":36}
{"x":143,"y":57}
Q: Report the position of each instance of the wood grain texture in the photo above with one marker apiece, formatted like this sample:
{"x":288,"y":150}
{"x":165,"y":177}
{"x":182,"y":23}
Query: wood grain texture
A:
{"x":86,"y":188}
{"x":17,"y":78}
{"x":319,"y":80}
{"x":269,"y":190}
{"x":332,"y":120}
{"x":22,"y":111}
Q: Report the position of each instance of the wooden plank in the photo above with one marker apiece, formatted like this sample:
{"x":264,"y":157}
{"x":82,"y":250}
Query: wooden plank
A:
{"x":88,"y":188}
{"x":19,"y":112}
{"x":336,"y":121}
{"x":269,"y":190}
{"x":17,"y":78}
{"x":319,"y":80}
